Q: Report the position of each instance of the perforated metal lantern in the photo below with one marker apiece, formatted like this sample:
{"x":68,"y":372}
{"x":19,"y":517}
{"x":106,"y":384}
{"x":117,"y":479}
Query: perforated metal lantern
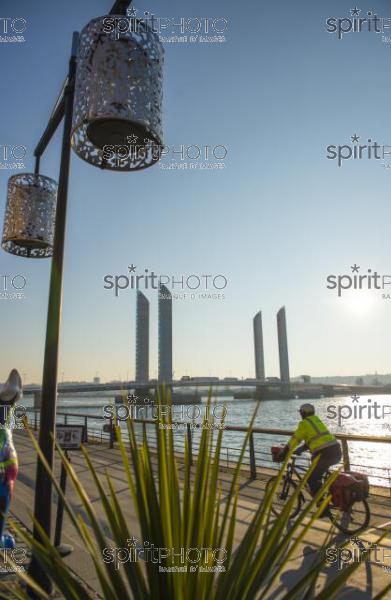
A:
{"x":30,"y":215}
{"x":117,"y":120}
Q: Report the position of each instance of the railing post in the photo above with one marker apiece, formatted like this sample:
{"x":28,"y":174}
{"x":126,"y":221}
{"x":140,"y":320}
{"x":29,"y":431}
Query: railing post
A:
{"x":345,"y":454}
{"x":85,"y":429}
{"x":190,"y":444}
{"x":35,"y":421}
{"x":111,"y":443}
{"x":253,"y":466}
{"x":65,"y":419}
{"x":60,"y":506}
{"x":37,"y":400}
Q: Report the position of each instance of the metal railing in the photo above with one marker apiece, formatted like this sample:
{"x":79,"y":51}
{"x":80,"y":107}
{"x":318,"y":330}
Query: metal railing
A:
{"x":255,"y":459}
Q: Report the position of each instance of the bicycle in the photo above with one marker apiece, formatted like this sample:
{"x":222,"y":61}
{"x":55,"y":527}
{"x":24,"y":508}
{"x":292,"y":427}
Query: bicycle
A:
{"x":353,"y":520}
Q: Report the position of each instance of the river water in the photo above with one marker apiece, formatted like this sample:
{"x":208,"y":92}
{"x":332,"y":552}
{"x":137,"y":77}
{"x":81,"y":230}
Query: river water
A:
{"x":366,"y":415}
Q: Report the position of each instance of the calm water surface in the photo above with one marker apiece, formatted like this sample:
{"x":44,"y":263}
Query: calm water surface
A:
{"x":369,"y":416}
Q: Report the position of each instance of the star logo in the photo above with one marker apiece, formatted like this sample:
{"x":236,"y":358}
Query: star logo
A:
{"x":355,"y":268}
{"x":132,"y":268}
{"x":132,"y":541}
{"x":131,"y":12}
{"x":357,"y":541}
{"x":132,"y":139}
{"x":132,"y":399}
{"x":355,"y":398}
{"x":355,"y":138}
{"x":354,"y":12}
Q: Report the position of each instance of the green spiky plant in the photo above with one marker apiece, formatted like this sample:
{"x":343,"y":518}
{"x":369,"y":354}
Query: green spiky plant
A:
{"x":188,"y":515}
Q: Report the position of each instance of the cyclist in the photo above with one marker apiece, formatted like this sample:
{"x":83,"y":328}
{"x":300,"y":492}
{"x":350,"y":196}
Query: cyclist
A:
{"x":319,"y":441}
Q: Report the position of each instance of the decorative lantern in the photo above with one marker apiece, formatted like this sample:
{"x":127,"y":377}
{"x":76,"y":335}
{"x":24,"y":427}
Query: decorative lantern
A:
{"x":30,"y":215}
{"x":118,"y":95}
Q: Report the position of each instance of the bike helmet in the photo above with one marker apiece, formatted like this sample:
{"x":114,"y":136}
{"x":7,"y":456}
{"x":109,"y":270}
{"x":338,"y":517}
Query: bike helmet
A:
{"x":307,"y":410}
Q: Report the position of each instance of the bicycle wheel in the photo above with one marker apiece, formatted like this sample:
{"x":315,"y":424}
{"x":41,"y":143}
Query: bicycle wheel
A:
{"x":283,"y":493}
{"x":353,"y":520}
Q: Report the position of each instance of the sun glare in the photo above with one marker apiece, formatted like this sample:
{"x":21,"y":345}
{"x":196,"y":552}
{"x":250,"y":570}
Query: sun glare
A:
{"x":358,"y":302}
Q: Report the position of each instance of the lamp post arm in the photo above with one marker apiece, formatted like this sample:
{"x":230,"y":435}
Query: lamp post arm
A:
{"x":119,"y":7}
{"x":51,"y":128}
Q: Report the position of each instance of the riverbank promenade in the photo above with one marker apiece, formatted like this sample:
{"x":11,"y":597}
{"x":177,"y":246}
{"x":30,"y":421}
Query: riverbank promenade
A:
{"x":365,"y":583}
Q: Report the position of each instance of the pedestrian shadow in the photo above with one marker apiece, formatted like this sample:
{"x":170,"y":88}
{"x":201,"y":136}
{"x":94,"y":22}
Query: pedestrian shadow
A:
{"x":311,"y":556}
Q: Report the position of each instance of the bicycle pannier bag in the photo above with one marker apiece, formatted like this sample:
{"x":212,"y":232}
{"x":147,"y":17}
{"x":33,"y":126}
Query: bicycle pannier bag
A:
{"x":362,"y":485}
{"x":341,"y":491}
{"x":349,"y":488}
{"x":275,"y":452}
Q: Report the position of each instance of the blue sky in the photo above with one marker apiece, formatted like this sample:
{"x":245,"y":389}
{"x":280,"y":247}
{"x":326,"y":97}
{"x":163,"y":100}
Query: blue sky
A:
{"x":276,"y":221}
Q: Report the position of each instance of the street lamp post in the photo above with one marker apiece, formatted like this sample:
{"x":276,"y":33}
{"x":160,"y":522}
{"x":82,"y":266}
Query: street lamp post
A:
{"x":43,"y":486}
{"x":102,"y":107}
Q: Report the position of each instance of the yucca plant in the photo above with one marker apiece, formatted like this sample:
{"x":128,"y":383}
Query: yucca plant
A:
{"x":184,"y":517}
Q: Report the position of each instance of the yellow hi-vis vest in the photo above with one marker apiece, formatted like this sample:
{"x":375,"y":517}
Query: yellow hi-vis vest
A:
{"x":314,"y":433}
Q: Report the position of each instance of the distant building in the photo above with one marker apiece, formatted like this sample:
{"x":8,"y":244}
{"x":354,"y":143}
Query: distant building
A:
{"x":283,"y":346}
{"x":96,"y":380}
{"x":142,"y":337}
{"x":165,"y":334}
{"x":258,"y":347}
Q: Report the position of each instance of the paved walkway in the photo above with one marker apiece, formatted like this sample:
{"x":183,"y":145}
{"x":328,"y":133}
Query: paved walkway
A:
{"x":367,"y":581}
